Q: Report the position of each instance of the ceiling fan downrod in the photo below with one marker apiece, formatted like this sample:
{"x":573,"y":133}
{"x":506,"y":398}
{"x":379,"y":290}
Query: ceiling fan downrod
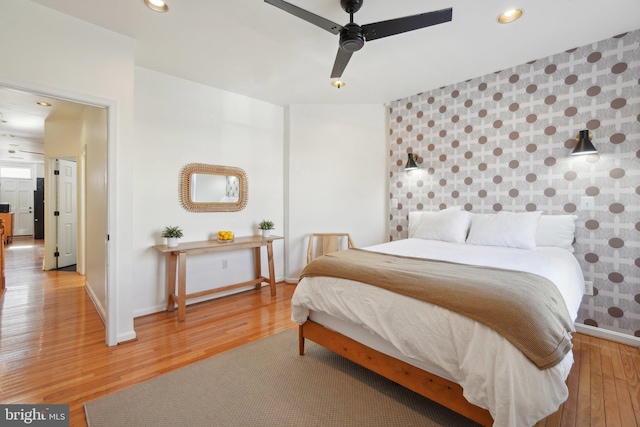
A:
{"x":352,"y":34}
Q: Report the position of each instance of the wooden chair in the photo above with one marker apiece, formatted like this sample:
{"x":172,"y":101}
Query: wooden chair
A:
{"x":324,"y":243}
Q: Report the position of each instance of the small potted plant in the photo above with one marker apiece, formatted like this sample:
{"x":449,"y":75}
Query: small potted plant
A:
{"x":172,"y":234}
{"x":266,"y":227}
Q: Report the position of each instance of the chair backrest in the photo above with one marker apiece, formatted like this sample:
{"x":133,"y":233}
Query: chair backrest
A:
{"x":324,"y":243}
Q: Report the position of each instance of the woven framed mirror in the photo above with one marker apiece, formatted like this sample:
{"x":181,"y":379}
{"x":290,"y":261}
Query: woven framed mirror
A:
{"x":212,"y":188}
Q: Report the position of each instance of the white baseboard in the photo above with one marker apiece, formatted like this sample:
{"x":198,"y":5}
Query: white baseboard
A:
{"x":162,"y":307}
{"x":149,"y":310}
{"x":608,"y":335}
{"x":96,"y":302}
{"x":126,"y":336}
{"x":122,"y":337}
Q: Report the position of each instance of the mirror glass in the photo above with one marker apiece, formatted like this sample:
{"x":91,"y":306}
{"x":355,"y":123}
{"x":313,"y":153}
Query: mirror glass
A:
{"x":211,"y":188}
{"x":214,"y":188}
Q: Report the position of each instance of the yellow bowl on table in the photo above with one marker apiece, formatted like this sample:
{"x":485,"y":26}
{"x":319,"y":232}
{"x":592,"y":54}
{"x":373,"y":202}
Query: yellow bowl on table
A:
{"x":225,"y":236}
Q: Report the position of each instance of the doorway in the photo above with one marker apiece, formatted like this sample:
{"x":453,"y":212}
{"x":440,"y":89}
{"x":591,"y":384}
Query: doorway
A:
{"x":18,"y":192}
{"x":65,"y":214}
{"x":16,"y":189}
{"x":70,"y":129}
{"x":38,"y":210}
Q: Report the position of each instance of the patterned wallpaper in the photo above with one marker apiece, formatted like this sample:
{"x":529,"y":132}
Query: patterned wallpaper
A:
{"x":503,"y":142}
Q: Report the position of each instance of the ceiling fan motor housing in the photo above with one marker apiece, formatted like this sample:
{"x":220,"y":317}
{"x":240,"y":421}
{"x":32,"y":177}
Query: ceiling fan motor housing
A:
{"x":351,"y":6}
{"x":351,"y":37}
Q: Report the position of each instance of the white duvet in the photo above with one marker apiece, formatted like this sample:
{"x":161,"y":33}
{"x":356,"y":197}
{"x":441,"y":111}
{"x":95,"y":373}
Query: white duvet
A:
{"x":493,"y":373}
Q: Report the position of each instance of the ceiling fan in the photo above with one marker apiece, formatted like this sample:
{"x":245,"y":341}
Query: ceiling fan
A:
{"x":353,"y":36}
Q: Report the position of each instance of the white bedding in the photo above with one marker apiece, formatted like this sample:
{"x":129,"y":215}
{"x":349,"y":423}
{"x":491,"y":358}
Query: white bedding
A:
{"x":493,"y":373}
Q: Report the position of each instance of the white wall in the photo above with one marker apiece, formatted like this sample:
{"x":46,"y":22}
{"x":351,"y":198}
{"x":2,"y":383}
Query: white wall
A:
{"x":52,"y":53}
{"x":92,"y":218}
{"x":180,"y":122}
{"x":337,"y":176}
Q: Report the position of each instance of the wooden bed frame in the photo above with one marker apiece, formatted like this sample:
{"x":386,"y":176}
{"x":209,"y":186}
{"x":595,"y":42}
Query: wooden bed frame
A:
{"x":431,"y":386}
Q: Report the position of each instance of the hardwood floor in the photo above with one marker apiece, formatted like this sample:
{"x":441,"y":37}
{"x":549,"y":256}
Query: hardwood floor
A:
{"x":604,"y":386}
{"x":52,"y":341}
{"x":52,"y":346}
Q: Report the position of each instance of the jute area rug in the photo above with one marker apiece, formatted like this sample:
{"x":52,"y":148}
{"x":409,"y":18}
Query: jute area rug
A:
{"x":266,"y":383}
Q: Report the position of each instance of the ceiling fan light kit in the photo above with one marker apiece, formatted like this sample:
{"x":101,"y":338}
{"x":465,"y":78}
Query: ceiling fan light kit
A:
{"x":510,"y":16}
{"x":157,"y":5}
{"x":354,"y":36}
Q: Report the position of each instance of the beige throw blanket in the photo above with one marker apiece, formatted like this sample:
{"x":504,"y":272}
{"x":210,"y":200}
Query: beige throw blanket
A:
{"x":527,"y":309}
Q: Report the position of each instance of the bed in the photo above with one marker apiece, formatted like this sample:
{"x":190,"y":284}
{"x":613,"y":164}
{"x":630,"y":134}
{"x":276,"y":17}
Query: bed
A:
{"x":448,"y":357}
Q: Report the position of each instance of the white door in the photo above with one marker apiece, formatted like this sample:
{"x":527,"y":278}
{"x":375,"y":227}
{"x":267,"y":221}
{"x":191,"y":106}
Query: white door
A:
{"x":67,"y":218}
{"x":19,"y":194}
{"x":23,"y":211}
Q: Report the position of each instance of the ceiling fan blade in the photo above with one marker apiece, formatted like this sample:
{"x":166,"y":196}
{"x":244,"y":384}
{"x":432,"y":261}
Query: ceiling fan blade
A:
{"x":342,"y":59}
{"x":391,"y":27}
{"x":321,"y":22}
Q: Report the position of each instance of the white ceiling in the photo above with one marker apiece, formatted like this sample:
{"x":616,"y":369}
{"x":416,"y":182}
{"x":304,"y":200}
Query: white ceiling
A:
{"x":252,"y":48}
{"x":22,"y":132}
{"x":255,"y":49}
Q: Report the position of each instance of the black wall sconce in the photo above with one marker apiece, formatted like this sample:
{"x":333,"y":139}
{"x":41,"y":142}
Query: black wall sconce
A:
{"x":411,"y":162}
{"x":584,"y":145}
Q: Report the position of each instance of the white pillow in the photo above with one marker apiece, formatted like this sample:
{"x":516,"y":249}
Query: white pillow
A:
{"x":446,"y":225}
{"x":513,"y":230}
{"x":416,"y":217}
{"x":556,"y":230}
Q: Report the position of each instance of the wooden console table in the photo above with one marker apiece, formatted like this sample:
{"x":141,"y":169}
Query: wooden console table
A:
{"x":177,"y":267}
{"x":8,"y":226}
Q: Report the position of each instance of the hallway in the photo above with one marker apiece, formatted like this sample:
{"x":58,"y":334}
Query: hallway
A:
{"x":30,"y":290}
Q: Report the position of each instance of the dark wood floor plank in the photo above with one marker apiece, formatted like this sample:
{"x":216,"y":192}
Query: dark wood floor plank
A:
{"x":611,"y":408}
{"x":583,"y":413}
{"x":570,"y":406}
{"x":597,"y":396}
{"x":630,"y":363}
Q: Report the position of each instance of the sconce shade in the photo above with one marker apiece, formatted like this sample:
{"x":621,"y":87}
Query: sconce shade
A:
{"x":411,"y":163}
{"x":584,"y":145}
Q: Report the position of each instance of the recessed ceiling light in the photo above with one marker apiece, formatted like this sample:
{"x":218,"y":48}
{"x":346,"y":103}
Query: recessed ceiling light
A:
{"x":8,"y":135}
{"x":338,"y":83}
{"x":157,"y":5}
{"x":3,"y":121}
{"x":44,"y":104}
{"x":14,"y":145}
{"x":510,"y":16}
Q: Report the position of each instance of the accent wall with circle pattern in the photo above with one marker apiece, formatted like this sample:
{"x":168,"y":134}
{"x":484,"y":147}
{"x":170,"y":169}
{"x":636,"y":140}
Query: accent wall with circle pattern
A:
{"x":503,"y":142}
